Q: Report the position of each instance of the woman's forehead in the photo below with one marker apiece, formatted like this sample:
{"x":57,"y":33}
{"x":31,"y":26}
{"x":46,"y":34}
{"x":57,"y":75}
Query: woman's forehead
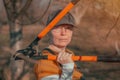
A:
{"x":64,"y":25}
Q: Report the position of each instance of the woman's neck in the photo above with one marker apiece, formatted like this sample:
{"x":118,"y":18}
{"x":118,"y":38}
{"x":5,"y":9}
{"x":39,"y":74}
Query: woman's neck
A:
{"x":56,"y":49}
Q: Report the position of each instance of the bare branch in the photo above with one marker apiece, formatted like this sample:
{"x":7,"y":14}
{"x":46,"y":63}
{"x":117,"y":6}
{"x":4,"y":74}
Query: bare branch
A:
{"x":114,"y":25}
{"x":25,"y":7}
{"x":84,"y":8}
{"x":23,"y":13}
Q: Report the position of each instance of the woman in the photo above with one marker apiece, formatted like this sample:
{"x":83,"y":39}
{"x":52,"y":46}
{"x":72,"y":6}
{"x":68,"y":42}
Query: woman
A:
{"x":60,"y":36}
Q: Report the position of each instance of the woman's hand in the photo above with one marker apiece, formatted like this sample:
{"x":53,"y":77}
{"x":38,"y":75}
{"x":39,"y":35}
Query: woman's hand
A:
{"x":64,"y":58}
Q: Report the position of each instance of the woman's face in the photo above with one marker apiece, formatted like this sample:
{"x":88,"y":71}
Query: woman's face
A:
{"x":61,"y":35}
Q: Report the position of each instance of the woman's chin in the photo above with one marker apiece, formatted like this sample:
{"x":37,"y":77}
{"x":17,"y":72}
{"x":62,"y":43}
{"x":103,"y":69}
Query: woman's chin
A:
{"x":61,"y":46}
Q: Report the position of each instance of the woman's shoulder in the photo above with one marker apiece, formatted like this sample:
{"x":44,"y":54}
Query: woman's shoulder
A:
{"x":47,"y":51}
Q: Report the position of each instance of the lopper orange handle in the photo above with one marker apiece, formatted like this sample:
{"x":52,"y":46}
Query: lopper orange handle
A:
{"x":77,"y":58}
{"x":87,"y":58}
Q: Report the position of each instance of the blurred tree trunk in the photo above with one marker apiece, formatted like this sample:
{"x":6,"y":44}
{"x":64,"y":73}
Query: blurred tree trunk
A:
{"x":15,"y":31}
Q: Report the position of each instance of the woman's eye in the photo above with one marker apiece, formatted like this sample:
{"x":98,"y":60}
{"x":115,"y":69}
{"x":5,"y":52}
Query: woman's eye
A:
{"x":70,"y":28}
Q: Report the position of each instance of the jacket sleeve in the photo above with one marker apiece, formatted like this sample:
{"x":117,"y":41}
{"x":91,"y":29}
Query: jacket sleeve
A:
{"x":67,"y":71}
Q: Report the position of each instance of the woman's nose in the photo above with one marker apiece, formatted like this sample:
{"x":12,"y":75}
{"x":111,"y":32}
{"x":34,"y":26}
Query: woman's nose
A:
{"x":63,"y":31}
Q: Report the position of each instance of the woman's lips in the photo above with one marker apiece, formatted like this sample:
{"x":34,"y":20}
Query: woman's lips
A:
{"x":63,"y":40}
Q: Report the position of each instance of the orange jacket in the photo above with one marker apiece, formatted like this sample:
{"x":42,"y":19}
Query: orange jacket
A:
{"x":48,"y":67}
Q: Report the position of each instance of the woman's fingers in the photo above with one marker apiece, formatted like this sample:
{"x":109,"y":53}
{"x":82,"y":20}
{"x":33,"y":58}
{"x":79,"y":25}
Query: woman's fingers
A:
{"x":60,"y":56}
{"x":64,"y":58}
